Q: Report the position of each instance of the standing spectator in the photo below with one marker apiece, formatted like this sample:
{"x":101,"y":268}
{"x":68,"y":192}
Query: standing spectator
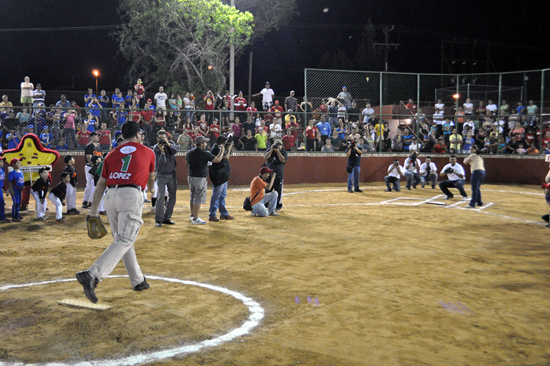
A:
{"x":290,"y":102}
{"x":160,"y":122}
{"x":325,"y":129}
{"x":240,"y":105}
{"x":310,"y":135}
{"x":197,"y":161}
{"x":248,"y":142}
{"x":276,"y":131}
{"x":160,"y":99}
{"x":38,"y":96}
{"x":411,"y":107}
{"x":140,"y":91}
{"x":455,"y":178}
{"x":23,"y":117}
{"x":173,"y":121}
{"x":147,"y":119}
{"x":267,"y":96}
{"x":354,"y":152}
{"x":328,"y":146}
{"x":455,"y":142}
{"x":165,"y":168}
{"x":26,"y":92}
{"x":289,"y":141}
{"x":103,"y":100}
{"x":219,"y":176}
{"x":252,"y":111}
{"x":277,"y":110}
{"x":478,"y":176}
{"x":88,"y":98}
{"x":187,"y":106}
{"x":345,"y":97}
{"x":46,"y":138}
{"x":520,"y":109}
{"x":367,"y":114}
{"x":276,"y":158}
{"x":504,"y":109}
{"x":185,"y":142}
{"x":305,"y":108}
{"x":173,"y":101}
{"x":531,"y":112}
{"x":261,"y":140}
{"x":104,"y":137}
{"x":63,"y":103}
{"x":468,"y":107}
{"x":209,"y":102}
{"x":491,"y":108}
{"x":214,"y":131}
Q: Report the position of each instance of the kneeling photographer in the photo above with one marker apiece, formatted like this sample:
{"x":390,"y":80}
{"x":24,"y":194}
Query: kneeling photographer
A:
{"x":165,"y":167}
{"x":219,"y":176}
{"x":354,"y":152}
{"x":263,"y":203}
{"x":275,"y":160}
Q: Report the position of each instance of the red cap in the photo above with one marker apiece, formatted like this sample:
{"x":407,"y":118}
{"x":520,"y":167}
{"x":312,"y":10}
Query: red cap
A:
{"x":265,"y":170}
{"x":15,"y":160}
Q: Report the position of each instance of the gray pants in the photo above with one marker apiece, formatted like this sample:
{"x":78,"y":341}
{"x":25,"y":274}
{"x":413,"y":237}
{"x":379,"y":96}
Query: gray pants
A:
{"x":123,"y":206}
{"x":169,"y":181}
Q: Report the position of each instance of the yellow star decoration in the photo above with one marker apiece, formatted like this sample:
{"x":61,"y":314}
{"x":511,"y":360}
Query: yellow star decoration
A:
{"x":34,"y":153}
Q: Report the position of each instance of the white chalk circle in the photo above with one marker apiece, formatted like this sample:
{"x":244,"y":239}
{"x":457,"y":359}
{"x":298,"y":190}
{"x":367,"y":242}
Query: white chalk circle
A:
{"x":256,"y":315}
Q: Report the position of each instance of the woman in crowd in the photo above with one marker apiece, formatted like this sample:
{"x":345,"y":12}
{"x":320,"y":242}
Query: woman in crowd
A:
{"x":478,"y":175}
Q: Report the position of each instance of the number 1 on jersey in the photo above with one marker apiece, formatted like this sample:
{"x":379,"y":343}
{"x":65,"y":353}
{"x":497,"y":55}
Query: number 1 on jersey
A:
{"x":125,"y":163}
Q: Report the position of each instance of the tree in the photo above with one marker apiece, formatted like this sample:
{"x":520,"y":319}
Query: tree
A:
{"x":181,"y":42}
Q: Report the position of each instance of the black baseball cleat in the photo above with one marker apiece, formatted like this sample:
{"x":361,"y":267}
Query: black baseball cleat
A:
{"x":89,"y":283}
{"x":142,"y":286}
{"x":85,"y":204}
{"x":168,"y":222}
{"x":546,"y":218}
{"x":358,"y":190}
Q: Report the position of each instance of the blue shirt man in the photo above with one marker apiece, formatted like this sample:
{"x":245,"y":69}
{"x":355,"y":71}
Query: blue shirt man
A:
{"x":325,"y":129}
{"x":46,"y":138}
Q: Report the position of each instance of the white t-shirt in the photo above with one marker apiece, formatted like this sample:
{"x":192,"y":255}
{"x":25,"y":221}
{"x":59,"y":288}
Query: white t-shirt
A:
{"x":468,"y":108}
{"x":491,"y":107}
{"x":26,"y":89}
{"x":342,"y":112}
{"x":267,"y":95}
{"x":367,"y":112}
{"x":439,"y":106}
{"x":424,"y":168}
{"x":457,"y":169}
{"x":276,"y":130}
{"x":471,"y":124}
{"x":395,"y":172}
{"x":161,"y":99}
{"x":412,"y":168}
{"x":413,"y":147}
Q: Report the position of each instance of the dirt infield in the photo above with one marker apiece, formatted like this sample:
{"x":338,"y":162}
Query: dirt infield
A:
{"x":370,"y":278}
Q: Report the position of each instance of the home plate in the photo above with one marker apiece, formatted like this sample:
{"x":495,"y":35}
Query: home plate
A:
{"x":82,"y":304}
{"x":436,"y":203}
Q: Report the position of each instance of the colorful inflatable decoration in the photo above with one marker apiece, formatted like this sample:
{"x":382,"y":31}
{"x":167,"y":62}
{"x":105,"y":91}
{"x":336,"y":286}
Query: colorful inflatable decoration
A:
{"x":36,"y":156}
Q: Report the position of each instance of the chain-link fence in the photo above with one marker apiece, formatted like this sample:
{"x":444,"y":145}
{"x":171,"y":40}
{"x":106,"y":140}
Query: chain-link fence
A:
{"x":398,"y":112}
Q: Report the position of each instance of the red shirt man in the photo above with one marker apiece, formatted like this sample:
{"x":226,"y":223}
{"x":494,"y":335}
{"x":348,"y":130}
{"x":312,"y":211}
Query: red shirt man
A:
{"x":209,"y":101}
{"x":411,"y":107}
{"x":148,"y":114}
{"x":83,"y":137}
{"x":129,"y":163}
{"x":215,"y":129}
{"x":240,"y":102}
{"x":289,"y":141}
{"x":203,"y":127}
{"x":277,"y":109}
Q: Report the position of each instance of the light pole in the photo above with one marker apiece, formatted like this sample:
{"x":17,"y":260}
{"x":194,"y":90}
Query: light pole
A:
{"x":232,"y":68}
{"x":95,"y":72}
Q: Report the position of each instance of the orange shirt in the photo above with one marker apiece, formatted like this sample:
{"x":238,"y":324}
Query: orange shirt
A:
{"x":258,"y":184}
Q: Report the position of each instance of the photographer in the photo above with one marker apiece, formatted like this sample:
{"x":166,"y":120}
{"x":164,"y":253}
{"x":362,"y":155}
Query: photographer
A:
{"x":219,"y":175}
{"x":455,"y":178}
{"x":411,"y":170}
{"x":428,"y":172}
{"x":165,"y":167}
{"x":276,"y":158}
{"x":394,"y":174}
{"x":354,"y":152}
{"x":259,"y":198}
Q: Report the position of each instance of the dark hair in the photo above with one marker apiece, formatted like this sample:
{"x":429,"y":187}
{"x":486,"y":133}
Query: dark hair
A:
{"x":221,"y":140}
{"x":477,"y":152}
{"x":67,"y":158}
{"x":162,"y":132}
{"x":130,"y":129}
{"x":64,"y":174}
{"x":453,"y":156}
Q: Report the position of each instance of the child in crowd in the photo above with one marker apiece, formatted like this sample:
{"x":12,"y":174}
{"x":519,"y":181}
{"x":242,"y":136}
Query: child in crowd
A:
{"x":39,"y":190}
{"x":16,"y":183}
{"x":57,"y":196}
{"x":71,"y":187}
{"x":3,"y":219}
{"x":521,"y":149}
{"x":46,"y":138}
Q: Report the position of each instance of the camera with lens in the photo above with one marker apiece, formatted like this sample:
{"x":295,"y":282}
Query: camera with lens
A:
{"x":277,"y":145}
{"x":352,"y":143}
{"x":449,"y":170}
{"x":163,"y":142}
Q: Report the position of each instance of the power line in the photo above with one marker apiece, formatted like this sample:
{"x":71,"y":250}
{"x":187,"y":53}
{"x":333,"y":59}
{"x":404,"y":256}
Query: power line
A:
{"x":60,"y":29}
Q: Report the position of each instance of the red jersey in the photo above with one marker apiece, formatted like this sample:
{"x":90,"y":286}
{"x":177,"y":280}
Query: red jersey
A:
{"x":278,"y":110}
{"x":214,"y":133}
{"x":105,"y":137}
{"x":240,"y":104}
{"x":129,"y":163}
{"x":83,"y":137}
{"x":203,"y":127}
{"x":295,"y":126}
{"x":209,"y":103}
{"x":148,"y":116}
{"x":288,"y":142}
{"x":311,"y":132}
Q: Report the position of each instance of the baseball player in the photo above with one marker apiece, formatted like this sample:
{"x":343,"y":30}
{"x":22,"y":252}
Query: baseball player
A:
{"x":92,"y":149}
{"x":3,"y":219}
{"x":126,"y":170}
{"x":39,"y":191}
{"x":71,"y":187}
{"x":16,"y":182}
{"x":546,"y":187}
{"x":57,"y":196}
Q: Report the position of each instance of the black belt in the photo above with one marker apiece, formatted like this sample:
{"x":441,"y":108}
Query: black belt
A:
{"x":126,"y":186}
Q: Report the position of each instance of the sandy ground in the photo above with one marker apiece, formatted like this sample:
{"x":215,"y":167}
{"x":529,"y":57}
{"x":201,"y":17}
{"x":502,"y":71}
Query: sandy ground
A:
{"x":397,"y":283}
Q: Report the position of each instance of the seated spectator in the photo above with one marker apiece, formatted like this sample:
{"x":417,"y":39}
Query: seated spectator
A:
{"x":513,"y":145}
{"x":104,"y":137}
{"x":23,"y":117}
{"x":248,"y":125}
{"x":481,"y":111}
{"x":289,"y":141}
{"x":236,"y":128}
{"x":469,"y":123}
{"x":491,"y":108}
{"x":397,"y":141}
{"x":429,"y":142}
{"x":469,"y":141}
{"x":261,"y":140}
{"x":61,"y":145}
{"x":530,"y":137}
{"x":532,"y":110}
{"x":518,"y":131}
{"x":501,"y":146}
{"x":440,"y":147}
{"x":292,"y":126}
{"x":82,"y":137}
{"x":468,"y":107}
{"x":185,"y":142}
{"x":547,"y":147}
{"x":394,"y":175}
{"x":336,"y":141}
{"x":414,"y":146}
{"x":328,"y":146}
{"x":277,"y":112}
{"x":532,"y":150}
{"x":411,"y":107}
{"x":447,"y":127}
{"x":504,"y":109}
{"x":215,"y":131}
{"x":407,"y":139}
{"x":521,"y":149}
{"x":520,"y":109}
{"x":46,"y":138}
{"x":5,"y":105}
{"x":480,"y":136}
{"x":276,"y":130}
{"x":367,"y":113}
{"x":310,"y":135}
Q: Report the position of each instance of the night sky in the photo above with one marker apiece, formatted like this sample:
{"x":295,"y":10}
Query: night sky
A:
{"x":63,"y":60}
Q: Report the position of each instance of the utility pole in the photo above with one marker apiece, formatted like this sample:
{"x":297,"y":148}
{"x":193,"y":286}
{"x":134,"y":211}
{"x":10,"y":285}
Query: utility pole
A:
{"x":387,"y":45}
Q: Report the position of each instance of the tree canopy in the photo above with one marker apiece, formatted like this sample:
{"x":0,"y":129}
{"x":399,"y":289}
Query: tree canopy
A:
{"x":181,"y":44}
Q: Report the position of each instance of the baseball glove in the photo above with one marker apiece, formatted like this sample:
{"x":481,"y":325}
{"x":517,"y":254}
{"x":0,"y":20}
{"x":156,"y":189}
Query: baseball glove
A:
{"x":96,"y":229}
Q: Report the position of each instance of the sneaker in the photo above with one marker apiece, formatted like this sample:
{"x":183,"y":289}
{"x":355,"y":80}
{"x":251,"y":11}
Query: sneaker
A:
{"x":358,"y":190}
{"x":168,"y":222}
{"x":59,"y":221}
{"x":85,"y":204}
{"x":158,"y":224}
{"x":387,"y":190}
{"x":447,"y":197}
{"x":350,"y":191}
{"x":142,"y":286}
{"x":23,"y":208}
{"x":228,"y":217}
{"x":198,"y":221}
{"x":465,"y":198}
{"x":468,"y":206}
{"x":5,"y":221}
{"x":214,"y":219}
{"x":191,"y":218}
{"x":89,"y":283}
{"x":274,"y":214}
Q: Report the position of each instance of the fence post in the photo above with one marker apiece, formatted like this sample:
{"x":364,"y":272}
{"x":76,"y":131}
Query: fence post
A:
{"x":381,"y":111}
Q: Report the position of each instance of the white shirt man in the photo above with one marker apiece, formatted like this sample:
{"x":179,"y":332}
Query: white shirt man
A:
{"x":468,"y":108}
{"x":455,"y":178}
{"x":412,"y":163}
{"x":491,"y":107}
{"x":367,"y":113}
{"x":439,"y":106}
{"x":394,"y":174}
{"x":428,"y":172}
{"x":276,"y":130}
{"x":160,"y":99}
{"x":267,"y":97}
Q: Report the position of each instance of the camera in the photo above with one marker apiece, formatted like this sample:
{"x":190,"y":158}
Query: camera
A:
{"x":352,"y":143}
{"x":449,"y":170}
{"x":163,"y":142}
{"x":277,"y":145}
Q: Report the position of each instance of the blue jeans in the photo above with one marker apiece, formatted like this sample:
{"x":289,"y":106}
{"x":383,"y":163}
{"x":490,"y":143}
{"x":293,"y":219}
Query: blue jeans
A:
{"x":269,"y":198}
{"x":353,"y":177}
{"x":431,"y":179}
{"x":16,"y":202}
{"x":392,"y":180}
{"x":2,"y":210}
{"x":218,"y":200}
{"x":412,"y":176}
{"x":458,"y":184}
{"x":476,"y":180}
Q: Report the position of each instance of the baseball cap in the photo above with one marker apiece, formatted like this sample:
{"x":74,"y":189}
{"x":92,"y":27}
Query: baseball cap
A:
{"x":30,"y":127}
{"x":265,"y":170}
{"x":200,"y":139}
{"x":15,"y":160}
{"x":267,"y":83}
{"x":277,"y":141}
{"x":45,"y":127}
{"x":149,"y":100}
{"x":67,"y":158}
